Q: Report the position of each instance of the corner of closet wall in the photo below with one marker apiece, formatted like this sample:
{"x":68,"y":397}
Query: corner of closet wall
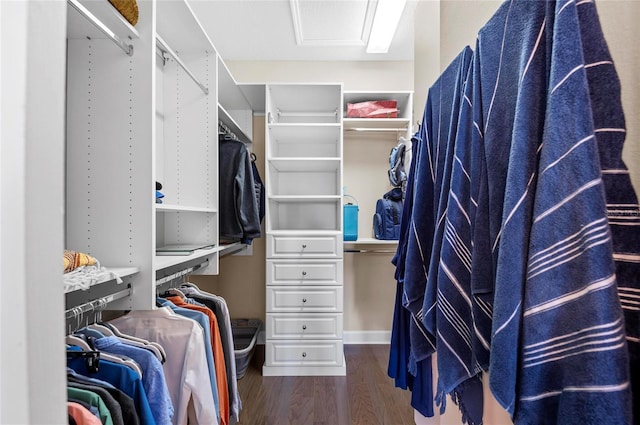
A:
{"x":32,"y":63}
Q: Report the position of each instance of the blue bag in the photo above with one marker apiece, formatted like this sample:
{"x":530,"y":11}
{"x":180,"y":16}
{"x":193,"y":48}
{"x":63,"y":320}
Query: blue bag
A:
{"x":386,"y":220}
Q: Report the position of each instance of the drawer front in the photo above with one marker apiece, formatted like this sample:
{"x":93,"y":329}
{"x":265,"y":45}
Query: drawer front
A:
{"x":304,"y":326}
{"x":308,"y":353}
{"x":329,"y":246}
{"x":300,"y":273}
{"x":306,"y":299}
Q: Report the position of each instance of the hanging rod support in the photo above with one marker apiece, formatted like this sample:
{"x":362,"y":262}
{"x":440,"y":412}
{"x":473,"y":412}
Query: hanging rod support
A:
{"x":127,"y":48}
{"x":162,"y":45}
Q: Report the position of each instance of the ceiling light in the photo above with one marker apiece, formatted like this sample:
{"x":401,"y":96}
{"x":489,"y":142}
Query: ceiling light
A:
{"x":385,"y":23}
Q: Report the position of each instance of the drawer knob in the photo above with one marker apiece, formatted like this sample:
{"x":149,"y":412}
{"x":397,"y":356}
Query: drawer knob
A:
{"x":304,"y":273}
{"x":304,"y":327}
{"x":304,"y":245}
{"x":304,"y":354}
{"x":304,"y":300}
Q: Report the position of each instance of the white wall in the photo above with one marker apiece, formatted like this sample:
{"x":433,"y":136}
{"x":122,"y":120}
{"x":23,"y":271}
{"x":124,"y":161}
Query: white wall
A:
{"x":32,"y":363}
{"x":355,"y":75}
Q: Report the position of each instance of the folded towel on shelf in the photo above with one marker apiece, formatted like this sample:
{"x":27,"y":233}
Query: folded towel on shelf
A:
{"x":74,"y":259}
{"x":81,"y":271}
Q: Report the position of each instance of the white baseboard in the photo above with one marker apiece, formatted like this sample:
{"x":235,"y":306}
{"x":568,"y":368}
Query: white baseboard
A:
{"x":366,"y":337}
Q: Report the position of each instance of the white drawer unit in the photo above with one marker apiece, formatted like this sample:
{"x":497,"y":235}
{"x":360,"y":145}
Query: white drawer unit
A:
{"x":304,"y":326}
{"x":312,"y":299}
{"x":303,"y":222}
{"x":281,"y":246}
{"x":306,"y":353}
{"x":304,"y":273}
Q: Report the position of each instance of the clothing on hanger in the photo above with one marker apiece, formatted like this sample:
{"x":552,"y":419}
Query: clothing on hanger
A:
{"x":219,"y":307}
{"x":186,"y":371}
{"x":118,"y":375}
{"x":218,"y":355}
{"x":203,"y":321}
{"x":239,"y":215}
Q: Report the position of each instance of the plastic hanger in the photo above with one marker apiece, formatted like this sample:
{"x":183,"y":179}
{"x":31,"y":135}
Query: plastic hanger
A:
{"x":84,"y":342}
{"x":126,"y":337}
{"x":102,"y":329}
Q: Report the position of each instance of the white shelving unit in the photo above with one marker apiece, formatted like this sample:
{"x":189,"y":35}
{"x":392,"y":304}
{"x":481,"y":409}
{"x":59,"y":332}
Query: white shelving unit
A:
{"x":367,"y":144}
{"x":140,"y":115}
{"x":304,"y":230}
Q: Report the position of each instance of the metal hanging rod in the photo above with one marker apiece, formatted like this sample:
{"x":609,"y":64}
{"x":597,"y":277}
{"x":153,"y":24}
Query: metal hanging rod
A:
{"x":226,"y":130}
{"x":127,"y":48}
{"x":373,"y":129}
{"x":177,"y":275}
{"x":97,"y":304}
{"x":162,"y":45}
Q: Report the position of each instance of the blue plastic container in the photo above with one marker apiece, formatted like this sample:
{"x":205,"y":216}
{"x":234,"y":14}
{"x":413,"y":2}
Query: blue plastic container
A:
{"x":350,"y":214}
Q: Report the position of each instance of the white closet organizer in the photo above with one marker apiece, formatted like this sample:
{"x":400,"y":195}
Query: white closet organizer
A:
{"x":144,"y":106}
{"x":367,"y":144}
{"x":304,"y":230}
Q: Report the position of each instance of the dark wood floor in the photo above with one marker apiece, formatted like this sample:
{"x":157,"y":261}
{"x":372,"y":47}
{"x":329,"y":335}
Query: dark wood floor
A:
{"x":366,"y":396}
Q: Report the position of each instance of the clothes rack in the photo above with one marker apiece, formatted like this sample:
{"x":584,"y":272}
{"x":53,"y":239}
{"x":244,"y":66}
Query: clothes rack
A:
{"x":96,"y":305}
{"x":224,"y":129}
{"x":164,"y":47}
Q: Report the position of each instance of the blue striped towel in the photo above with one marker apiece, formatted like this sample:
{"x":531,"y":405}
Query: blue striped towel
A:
{"x":622,"y":203}
{"x":558,"y":351}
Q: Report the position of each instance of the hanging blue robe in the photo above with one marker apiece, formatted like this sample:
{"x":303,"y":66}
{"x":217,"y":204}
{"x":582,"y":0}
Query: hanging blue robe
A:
{"x":419,"y":381}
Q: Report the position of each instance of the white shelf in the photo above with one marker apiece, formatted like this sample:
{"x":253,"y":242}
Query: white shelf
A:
{"x":164,"y":261}
{"x":228,"y":120}
{"x":377,"y":124}
{"x":303,"y":126}
{"x":315,"y":232}
{"x":121,"y":272}
{"x":404,"y":99}
{"x":310,"y":103}
{"x":78,"y":27}
{"x":371,"y":241}
{"x":178,"y":26}
{"x":304,"y":141}
{"x":305,"y":198}
{"x":305,"y":164}
{"x":182,"y":208}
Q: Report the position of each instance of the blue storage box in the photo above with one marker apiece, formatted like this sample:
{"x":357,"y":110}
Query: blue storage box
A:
{"x":350,"y":213}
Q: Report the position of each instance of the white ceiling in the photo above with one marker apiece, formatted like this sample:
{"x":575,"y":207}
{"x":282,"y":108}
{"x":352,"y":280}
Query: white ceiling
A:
{"x":299,"y":29}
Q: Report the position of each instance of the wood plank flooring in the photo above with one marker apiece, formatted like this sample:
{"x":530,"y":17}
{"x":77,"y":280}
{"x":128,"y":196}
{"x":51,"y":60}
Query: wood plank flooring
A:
{"x":366,"y":396}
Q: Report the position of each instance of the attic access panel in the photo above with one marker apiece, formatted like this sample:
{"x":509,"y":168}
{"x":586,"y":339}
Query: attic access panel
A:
{"x":332,"y":22}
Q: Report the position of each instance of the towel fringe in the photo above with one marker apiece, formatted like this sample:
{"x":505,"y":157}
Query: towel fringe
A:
{"x":441,"y":400}
{"x":456,"y":397}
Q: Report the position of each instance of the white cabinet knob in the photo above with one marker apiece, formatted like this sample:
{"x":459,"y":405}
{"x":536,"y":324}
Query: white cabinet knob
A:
{"x":304,"y":245}
{"x":304,"y":300}
{"x":304,"y":273}
{"x":304,"y":354}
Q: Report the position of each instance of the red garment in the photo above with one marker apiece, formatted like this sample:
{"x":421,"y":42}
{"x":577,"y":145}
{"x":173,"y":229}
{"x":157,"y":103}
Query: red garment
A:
{"x":218,"y":356}
{"x":81,"y":415}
